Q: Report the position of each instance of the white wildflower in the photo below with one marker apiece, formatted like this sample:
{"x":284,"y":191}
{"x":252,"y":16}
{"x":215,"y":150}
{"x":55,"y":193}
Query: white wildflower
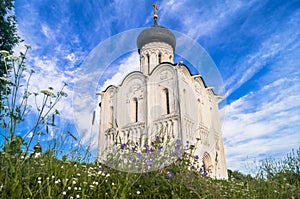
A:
{"x":47,"y":92}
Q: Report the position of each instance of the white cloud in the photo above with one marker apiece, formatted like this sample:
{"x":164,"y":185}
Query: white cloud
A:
{"x":128,"y":65}
{"x":85,"y":104}
{"x":46,"y":31}
{"x":263,"y":123}
{"x":48,"y":74}
{"x":276,"y":46}
{"x":203,"y":19}
{"x":72,"y":57}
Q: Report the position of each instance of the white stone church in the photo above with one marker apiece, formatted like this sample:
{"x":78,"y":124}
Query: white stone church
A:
{"x":163,"y":95}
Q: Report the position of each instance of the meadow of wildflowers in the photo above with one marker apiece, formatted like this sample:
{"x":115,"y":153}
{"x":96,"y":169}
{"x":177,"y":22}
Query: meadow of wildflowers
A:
{"x":49,"y":177}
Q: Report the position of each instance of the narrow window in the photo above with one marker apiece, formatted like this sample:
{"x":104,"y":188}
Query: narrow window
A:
{"x":200,"y":111}
{"x":185,"y":101}
{"x":148,"y":63}
{"x":111,"y":117}
{"x":167,"y":101}
{"x":159,"y":58}
{"x":135,"y":110}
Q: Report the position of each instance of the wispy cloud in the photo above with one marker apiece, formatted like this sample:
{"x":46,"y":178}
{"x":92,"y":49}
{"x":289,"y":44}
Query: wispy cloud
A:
{"x":123,"y":68}
{"x":262,"y":123}
{"x":203,"y":18}
{"x":276,"y":46}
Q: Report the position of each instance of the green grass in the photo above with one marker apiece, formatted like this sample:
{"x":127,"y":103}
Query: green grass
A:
{"x":48,"y":177}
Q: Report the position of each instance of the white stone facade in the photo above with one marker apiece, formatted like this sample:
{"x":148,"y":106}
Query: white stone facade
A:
{"x":164,"y":95}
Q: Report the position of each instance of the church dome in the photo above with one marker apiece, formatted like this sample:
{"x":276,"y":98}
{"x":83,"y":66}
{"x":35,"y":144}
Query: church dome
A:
{"x":156,"y":33}
{"x":37,"y":147}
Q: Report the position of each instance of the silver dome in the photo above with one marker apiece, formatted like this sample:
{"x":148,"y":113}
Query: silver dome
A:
{"x":156,"y":33}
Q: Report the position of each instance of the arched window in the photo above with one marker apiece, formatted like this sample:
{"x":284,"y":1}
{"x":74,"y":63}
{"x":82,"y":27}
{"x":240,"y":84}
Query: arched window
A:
{"x":159,"y":58}
{"x":135,"y":110}
{"x":166,"y":97}
{"x":207,"y":163}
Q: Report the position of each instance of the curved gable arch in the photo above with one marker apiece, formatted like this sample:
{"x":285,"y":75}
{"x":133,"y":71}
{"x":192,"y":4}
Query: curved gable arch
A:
{"x":162,"y":71}
{"x":135,"y":75}
{"x":199,"y":80}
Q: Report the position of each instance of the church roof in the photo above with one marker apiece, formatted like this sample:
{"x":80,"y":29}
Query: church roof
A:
{"x":156,"y":33}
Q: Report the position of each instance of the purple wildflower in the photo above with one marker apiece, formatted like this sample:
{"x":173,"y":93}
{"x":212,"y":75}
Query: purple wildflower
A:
{"x":100,"y":168}
{"x":205,"y":173}
{"x":170,"y":174}
{"x":152,"y":143}
{"x":149,"y":162}
{"x":133,"y":148}
{"x":177,"y":148}
{"x":157,"y":137}
{"x":161,"y":166}
{"x":160,"y":148}
{"x":179,"y":155}
{"x":140,"y":156}
{"x":178,"y":141}
{"x":123,"y":145}
{"x":196,"y":157}
{"x":187,"y":144}
{"x":137,"y":144}
{"x":201,"y":170}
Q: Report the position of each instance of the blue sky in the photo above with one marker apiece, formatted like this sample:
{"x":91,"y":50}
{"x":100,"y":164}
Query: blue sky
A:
{"x":254,"y":44}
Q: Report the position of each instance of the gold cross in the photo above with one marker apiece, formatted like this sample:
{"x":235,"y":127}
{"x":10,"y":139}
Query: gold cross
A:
{"x":155,"y":9}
